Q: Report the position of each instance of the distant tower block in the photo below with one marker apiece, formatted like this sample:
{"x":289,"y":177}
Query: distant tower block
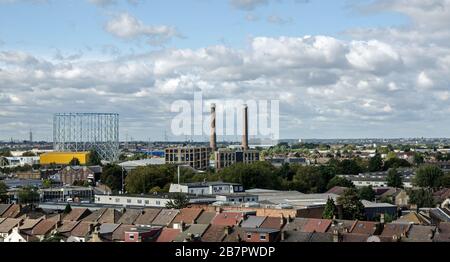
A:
{"x":78,"y":132}
{"x":245,"y":134}
{"x":213,"y":138}
{"x":31,"y":136}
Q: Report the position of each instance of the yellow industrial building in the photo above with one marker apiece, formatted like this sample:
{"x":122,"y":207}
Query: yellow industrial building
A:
{"x":64,"y":158}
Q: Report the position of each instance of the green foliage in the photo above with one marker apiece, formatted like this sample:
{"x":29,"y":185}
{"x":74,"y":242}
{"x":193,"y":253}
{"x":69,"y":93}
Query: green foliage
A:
{"x":3,"y":192}
{"x":179,"y":201}
{"x":418,"y":159}
{"x":330,"y":210}
{"x":68,"y":209}
{"x":366,"y":193}
{"x":94,"y":158}
{"x":74,"y":162}
{"x":81,"y":183}
{"x":347,"y":166}
{"x":445,"y":181}
{"x":376,"y":163}
{"x":254,"y":175}
{"x":5,"y":152}
{"x":25,"y":154}
{"x":352,"y":208}
{"x":422,"y":198}
{"x":394,"y":179}
{"x":28,"y":195}
{"x":339,"y":181}
{"x":428,"y":176}
{"x":142,"y":179}
{"x":395,"y":163}
{"x":112,"y":177}
{"x":47,"y":183}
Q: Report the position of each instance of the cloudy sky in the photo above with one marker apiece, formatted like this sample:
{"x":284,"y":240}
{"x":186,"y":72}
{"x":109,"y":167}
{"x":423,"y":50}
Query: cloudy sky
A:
{"x":341,"y":69}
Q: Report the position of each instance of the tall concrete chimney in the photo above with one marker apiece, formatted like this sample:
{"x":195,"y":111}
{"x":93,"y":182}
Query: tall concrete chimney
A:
{"x":245,"y":134}
{"x":213,"y":138}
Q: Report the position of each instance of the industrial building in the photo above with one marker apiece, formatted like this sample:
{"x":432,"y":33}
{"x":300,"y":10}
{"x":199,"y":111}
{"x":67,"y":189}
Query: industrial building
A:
{"x":80,"y":132}
{"x":196,"y":157}
{"x":228,"y":157}
{"x":64,"y":158}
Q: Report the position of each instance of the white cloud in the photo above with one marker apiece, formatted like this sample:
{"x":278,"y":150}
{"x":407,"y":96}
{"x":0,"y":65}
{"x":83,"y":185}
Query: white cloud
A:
{"x":128,"y":27}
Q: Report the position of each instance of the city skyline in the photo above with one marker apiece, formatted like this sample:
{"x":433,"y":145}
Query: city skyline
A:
{"x":341,"y":69}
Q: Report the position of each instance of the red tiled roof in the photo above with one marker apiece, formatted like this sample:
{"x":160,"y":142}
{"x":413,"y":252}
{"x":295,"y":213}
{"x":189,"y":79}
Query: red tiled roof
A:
{"x":119,"y":233}
{"x":215,"y":233}
{"x":82,"y":229}
{"x":67,"y":226}
{"x":395,"y":230}
{"x":227,"y":219}
{"x":272,"y":223}
{"x":168,"y":235}
{"x":8,"y":224}
{"x":147,"y":216}
{"x":44,"y":227}
{"x":188,"y":215}
{"x":12,"y":212}
{"x":364,"y":227}
{"x":317,"y":225}
{"x":77,"y":214}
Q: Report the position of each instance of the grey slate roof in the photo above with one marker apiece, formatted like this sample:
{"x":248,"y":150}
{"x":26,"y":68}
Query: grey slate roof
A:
{"x":253,"y":222}
{"x":196,"y":230}
{"x":108,"y":228}
{"x":3,"y":208}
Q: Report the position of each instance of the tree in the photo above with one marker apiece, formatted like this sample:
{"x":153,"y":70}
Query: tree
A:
{"x":3,"y":192}
{"x":428,"y":176}
{"x":445,"y":181}
{"x":339,"y":181}
{"x":28,"y":195}
{"x":112,"y":177}
{"x":367,"y":193}
{"x":395,"y":163}
{"x":376,"y":163}
{"x":5,"y":152}
{"x":94,"y":158}
{"x":394,"y":179}
{"x":179,"y":201}
{"x":330,"y":209}
{"x":142,"y":179}
{"x":352,"y":208}
{"x":68,"y":209}
{"x":422,"y":198}
{"x":418,"y":159}
{"x":255,"y":175}
{"x":25,"y":154}
{"x":74,"y":162}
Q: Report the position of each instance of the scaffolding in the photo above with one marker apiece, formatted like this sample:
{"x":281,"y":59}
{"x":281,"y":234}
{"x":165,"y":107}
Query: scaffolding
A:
{"x":78,"y":132}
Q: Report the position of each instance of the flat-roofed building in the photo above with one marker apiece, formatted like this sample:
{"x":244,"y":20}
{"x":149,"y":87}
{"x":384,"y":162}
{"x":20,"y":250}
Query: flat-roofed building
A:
{"x":226,"y":157}
{"x":196,"y":157}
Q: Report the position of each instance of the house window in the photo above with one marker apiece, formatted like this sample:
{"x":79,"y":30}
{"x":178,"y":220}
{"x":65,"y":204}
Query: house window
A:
{"x":139,"y":201}
{"x":131,"y":237}
{"x":262,"y":237}
{"x":128,"y":200}
{"x":117,"y":200}
{"x":158,"y":203}
{"x":147,"y":202}
{"x":249,"y":236}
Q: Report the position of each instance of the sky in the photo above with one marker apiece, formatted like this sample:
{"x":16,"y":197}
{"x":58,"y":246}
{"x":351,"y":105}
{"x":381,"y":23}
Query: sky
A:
{"x":341,"y":68}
